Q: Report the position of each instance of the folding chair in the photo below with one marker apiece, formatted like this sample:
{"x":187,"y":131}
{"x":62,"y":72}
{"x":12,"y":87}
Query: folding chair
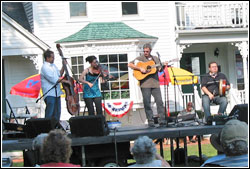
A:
{"x":15,"y":103}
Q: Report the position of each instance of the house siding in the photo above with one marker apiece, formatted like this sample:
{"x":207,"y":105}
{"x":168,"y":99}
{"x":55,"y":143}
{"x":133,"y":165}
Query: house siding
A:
{"x":53,"y":21}
{"x":14,"y":43}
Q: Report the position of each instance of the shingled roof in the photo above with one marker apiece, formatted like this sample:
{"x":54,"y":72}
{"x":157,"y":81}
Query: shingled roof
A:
{"x":16,"y":11}
{"x":105,"y":31}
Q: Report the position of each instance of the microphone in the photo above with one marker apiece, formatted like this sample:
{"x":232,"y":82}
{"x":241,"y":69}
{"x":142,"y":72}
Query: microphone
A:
{"x":158,"y":54}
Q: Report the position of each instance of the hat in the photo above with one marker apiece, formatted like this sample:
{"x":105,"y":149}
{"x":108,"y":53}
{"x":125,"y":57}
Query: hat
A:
{"x":234,"y":130}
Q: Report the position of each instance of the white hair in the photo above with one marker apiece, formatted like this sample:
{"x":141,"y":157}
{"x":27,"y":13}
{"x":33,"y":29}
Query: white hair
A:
{"x":38,"y":141}
{"x":144,"y":150}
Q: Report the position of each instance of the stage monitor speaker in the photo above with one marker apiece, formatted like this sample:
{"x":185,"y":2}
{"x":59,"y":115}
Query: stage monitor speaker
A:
{"x":93,"y":125}
{"x":241,"y":112}
{"x":37,"y":126}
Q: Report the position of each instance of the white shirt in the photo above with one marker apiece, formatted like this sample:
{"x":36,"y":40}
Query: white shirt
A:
{"x":49,"y":76}
{"x":155,"y":163}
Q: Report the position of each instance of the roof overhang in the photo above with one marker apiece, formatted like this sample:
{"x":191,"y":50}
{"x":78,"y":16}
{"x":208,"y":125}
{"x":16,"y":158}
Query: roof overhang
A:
{"x":218,"y":35}
{"x":42,"y":45}
{"x":107,"y":42}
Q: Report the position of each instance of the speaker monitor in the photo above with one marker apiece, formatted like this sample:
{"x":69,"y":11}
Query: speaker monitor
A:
{"x":240,"y":110}
{"x":37,"y":126}
{"x":93,"y":125}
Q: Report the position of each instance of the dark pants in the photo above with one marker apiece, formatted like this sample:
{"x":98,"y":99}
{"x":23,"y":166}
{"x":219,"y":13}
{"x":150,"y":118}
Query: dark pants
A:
{"x":90,"y":105}
{"x":53,"y":107}
{"x":206,"y":102}
{"x":156,"y":93}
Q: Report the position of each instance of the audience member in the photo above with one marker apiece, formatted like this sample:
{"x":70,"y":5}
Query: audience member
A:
{"x":144,"y":152}
{"x":56,"y":150}
{"x":233,"y":142}
{"x":37,"y":146}
{"x":188,"y":114}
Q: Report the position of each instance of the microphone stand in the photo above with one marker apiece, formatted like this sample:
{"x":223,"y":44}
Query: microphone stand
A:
{"x":176,"y":119}
{"x":164,"y":76}
{"x":54,"y":86}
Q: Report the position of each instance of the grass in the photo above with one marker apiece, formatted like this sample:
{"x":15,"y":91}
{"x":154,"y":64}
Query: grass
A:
{"x":207,"y":150}
{"x":17,"y":164}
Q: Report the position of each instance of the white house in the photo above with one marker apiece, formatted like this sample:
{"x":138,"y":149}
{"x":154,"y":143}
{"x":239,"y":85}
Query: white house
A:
{"x":115,"y":31}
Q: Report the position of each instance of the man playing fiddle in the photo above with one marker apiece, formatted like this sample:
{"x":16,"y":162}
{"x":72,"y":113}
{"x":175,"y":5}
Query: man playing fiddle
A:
{"x":210,"y":87}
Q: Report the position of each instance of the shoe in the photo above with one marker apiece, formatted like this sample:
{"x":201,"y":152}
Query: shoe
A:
{"x":192,"y":140}
{"x":151,"y":125}
{"x":162,"y":125}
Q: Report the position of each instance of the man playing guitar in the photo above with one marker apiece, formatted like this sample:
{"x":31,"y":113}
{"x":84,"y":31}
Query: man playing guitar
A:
{"x":214,"y":84}
{"x":150,"y":86}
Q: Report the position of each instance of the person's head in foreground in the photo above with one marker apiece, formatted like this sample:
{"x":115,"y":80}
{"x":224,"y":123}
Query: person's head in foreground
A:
{"x":144,"y":150}
{"x":56,"y":147}
{"x":233,"y":138}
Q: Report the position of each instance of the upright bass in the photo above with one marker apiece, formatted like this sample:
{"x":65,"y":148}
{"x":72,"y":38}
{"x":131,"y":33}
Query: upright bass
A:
{"x":72,"y":98}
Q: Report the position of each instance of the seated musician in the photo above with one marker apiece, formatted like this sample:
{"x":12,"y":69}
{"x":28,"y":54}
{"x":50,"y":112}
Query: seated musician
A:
{"x":210,"y":87}
{"x":150,"y":86}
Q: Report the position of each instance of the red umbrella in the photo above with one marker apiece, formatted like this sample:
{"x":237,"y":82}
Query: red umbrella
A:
{"x":29,"y":87}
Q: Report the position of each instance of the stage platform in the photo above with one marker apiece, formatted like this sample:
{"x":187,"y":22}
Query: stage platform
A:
{"x":129,"y":133}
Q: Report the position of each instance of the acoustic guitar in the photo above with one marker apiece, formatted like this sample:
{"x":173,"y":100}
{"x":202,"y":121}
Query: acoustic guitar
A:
{"x":150,"y":66}
{"x":222,"y":87}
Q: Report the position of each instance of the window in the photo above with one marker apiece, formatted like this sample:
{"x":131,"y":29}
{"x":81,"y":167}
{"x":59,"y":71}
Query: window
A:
{"x":118,"y":86}
{"x":77,"y":69}
{"x":78,"y":9}
{"x":129,"y":8}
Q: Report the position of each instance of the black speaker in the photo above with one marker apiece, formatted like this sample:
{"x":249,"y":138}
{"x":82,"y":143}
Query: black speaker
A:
{"x":37,"y":126}
{"x":93,"y":125}
{"x":241,"y":112}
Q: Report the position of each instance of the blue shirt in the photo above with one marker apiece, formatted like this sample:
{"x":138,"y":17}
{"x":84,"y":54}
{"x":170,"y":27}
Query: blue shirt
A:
{"x":228,"y":161}
{"x":93,"y":91}
{"x":49,"y":76}
{"x":155,"y":163}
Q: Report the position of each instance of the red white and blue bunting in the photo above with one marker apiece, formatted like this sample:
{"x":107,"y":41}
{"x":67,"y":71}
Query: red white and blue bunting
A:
{"x":117,"y":109}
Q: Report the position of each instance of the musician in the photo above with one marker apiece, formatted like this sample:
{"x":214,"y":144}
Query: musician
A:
{"x":210,"y":87}
{"x":150,"y":86}
{"x":50,"y":75}
{"x":90,"y":78}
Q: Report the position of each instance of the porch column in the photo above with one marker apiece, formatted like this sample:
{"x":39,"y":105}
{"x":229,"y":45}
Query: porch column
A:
{"x":180,"y":48}
{"x":243,"y":48}
{"x":37,"y":61}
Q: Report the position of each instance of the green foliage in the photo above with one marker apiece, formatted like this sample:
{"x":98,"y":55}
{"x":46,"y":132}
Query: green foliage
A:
{"x":125,"y":94}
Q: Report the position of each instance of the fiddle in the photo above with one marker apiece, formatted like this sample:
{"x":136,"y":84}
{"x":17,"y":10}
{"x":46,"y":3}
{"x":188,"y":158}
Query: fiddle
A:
{"x":98,"y":70}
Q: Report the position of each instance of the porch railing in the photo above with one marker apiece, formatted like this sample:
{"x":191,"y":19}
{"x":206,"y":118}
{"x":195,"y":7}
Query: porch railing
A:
{"x":242,"y":96}
{"x":212,"y":14}
{"x":235,"y":97}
